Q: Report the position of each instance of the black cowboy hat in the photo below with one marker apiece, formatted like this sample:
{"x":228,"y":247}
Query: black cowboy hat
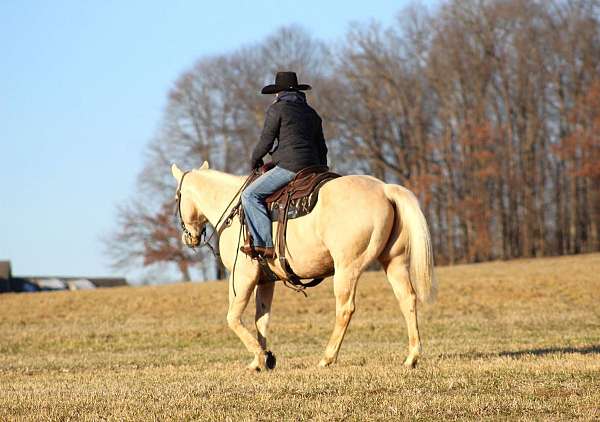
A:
{"x":285,"y":81}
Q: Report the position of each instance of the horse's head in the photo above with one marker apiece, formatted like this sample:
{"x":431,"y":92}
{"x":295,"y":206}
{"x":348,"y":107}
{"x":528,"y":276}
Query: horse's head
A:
{"x":191,"y":217}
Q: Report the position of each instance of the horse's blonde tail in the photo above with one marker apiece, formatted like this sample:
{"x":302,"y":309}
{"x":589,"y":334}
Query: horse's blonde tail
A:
{"x":414,"y":234}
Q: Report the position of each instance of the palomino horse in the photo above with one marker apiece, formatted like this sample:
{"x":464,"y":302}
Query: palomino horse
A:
{"x":356,"y":220}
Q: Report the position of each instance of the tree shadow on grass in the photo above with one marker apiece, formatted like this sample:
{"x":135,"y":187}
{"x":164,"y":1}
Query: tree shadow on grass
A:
{"x":545,"y":351}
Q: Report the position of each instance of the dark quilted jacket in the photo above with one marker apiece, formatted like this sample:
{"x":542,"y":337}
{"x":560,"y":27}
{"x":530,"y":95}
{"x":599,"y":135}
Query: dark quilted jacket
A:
{"x":299,"y":133}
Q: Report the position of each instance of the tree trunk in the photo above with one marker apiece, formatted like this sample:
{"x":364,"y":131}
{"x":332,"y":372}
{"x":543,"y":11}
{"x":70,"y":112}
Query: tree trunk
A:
{"x":184,"y":269}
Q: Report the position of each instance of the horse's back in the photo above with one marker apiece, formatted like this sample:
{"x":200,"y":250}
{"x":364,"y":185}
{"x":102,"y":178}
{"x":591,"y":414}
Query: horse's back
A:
{"x":353,"y":203}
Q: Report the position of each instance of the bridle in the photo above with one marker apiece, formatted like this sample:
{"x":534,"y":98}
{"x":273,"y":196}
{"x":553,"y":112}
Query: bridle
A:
{"x":203,"y":241}
{"x":185,"y":230}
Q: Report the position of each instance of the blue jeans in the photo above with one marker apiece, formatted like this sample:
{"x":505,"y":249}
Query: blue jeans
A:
{"x":253,"y":197}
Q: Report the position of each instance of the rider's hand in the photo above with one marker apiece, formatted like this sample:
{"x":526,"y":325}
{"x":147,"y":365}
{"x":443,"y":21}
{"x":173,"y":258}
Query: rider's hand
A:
{"x":257,"y":164}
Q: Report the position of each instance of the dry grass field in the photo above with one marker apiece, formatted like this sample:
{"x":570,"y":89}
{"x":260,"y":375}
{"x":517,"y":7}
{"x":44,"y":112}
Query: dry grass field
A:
{"x":516,"y":340}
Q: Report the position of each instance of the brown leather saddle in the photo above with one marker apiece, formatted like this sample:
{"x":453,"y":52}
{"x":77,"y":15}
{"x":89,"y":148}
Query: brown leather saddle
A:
{"x":299,"y":196}
{"x":296,"y":199}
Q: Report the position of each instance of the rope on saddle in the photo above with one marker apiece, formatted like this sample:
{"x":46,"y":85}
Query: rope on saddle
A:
{"x":239,"y":210}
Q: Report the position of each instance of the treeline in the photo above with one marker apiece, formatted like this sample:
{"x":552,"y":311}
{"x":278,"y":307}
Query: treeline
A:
{"x":488,"y":110}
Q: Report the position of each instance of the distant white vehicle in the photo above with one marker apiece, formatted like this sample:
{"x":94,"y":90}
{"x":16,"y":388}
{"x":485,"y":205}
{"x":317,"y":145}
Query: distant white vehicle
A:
{"x":51,"y":284}
{"x":81,"y":284}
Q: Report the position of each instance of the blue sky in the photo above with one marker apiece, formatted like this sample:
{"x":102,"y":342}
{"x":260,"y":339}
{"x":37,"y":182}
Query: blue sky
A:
{"x":82,"y":88}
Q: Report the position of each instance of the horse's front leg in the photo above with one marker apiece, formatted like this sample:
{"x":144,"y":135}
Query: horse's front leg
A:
{"x":239,"y":295}
{"x":264,"y":298}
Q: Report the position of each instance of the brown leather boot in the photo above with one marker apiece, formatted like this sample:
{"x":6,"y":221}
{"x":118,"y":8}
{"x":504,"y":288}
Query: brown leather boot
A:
{"x":267,"y":253}
{"x":249,"y":250}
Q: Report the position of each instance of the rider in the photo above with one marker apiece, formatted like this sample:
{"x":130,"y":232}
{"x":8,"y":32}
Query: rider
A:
{"x":300,"y":144}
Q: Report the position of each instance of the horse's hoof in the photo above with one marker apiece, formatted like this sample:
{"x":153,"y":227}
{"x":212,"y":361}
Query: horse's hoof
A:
{"x":257,"y":364}
{"x":410,"y":363}
{"x":324,"y":363}
{"x":270,"y":361}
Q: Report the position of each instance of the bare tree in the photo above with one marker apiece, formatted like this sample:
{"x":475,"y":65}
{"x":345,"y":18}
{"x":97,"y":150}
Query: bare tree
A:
{"x":487,"y":109}
{"x":146,"y":238}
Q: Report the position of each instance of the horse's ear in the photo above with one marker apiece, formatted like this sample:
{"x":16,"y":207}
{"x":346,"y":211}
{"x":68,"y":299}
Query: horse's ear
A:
{"x":204,"y":166}
{"x":177,"y":174}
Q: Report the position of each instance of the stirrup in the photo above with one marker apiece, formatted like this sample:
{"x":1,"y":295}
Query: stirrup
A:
{"x":249,"y":251}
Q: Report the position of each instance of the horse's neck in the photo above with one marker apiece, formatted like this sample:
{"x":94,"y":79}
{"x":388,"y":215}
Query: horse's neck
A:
{"x":215,"y":191}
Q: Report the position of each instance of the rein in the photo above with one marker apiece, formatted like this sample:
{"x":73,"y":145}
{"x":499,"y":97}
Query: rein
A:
{"x":226,"y":223}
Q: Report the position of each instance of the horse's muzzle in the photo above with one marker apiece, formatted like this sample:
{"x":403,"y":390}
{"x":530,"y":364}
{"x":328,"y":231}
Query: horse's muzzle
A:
{"x":190,"y":240}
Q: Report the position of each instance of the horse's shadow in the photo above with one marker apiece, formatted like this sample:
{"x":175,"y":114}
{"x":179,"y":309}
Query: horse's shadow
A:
{"x":544,"y":351}
{"x":583,"y":350}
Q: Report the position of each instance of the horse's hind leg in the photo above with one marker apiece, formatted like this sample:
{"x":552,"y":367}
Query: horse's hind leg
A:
{"x":344,"y":287}
{"x":398,"y":276}
{"x":264,"y":298}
